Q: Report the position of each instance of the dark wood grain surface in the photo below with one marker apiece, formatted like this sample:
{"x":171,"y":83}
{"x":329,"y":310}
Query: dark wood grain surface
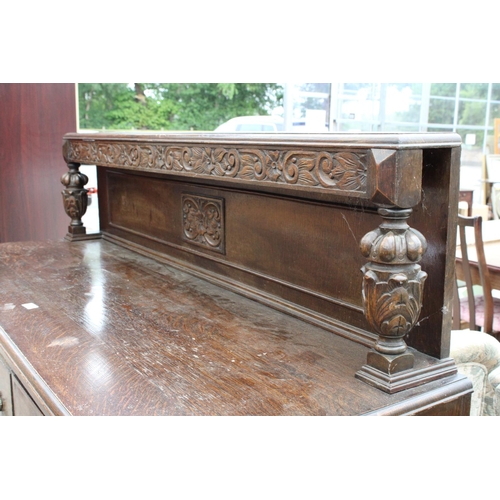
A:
{"x":283,"y":248}
{"x":116,"y":333}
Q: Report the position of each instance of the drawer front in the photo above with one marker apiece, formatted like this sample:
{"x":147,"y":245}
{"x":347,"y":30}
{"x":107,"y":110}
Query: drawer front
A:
{"x":5,"y":390}
{"x":23,"y":404}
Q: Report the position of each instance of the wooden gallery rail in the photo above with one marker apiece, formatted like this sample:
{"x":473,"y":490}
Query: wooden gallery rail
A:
{"x":263,"y":274}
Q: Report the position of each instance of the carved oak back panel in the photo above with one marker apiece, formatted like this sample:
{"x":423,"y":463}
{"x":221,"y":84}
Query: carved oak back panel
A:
{"x":281,"y":218}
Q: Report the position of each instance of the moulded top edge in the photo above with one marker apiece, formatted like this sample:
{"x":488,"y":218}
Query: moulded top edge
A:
{"x":359,"y":140}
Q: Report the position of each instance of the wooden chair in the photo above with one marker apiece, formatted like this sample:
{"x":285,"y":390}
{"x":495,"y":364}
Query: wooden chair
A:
{"x":479,"y":308}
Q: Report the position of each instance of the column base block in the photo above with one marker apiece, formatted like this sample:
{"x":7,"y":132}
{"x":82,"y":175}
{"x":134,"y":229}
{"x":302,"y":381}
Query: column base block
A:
{"x":396,"y":381}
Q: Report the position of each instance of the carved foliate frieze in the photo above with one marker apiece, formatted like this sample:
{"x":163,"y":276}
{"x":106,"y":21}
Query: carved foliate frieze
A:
{"x":203,"y":222}
{"x":344,"y":171}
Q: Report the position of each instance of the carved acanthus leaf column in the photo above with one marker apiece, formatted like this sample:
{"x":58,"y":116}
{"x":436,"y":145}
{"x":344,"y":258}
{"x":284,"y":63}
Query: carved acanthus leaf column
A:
{"x":75,"y":200}
{"x":393,"y":286}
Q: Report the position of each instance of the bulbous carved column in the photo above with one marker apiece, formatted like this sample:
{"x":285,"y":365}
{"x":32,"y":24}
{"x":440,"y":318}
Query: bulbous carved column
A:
{"x":392,"y":293}
{"x":75,"y":199}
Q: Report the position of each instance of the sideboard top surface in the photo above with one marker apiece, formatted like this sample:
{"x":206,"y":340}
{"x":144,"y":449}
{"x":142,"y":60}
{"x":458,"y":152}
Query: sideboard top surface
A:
{"x":117,"y":333}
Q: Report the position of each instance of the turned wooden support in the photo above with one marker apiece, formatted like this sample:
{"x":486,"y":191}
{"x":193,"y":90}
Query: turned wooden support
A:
{"x":75,"y":199}
{"x":393,"y":285}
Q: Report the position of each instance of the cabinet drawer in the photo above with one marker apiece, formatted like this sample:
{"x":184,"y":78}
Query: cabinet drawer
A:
{"x":23,"y":404}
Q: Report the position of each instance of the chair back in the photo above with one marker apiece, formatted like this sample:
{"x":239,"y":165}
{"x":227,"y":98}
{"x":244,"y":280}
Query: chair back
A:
{"x":473,"y":268}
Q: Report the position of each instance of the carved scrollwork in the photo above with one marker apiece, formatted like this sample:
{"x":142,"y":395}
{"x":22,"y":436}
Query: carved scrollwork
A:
{"x":203,"y":221}
{"x":341,"y":171}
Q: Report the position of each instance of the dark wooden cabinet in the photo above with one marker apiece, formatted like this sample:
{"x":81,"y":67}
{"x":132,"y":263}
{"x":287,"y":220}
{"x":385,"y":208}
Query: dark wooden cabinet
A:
{"x":14,"y":398}
{"x":22,"y":402}
{"x":33,"y":119}
{"x":117,"y":333}
{"x":5,"y":389}
{"x":242,"y":275}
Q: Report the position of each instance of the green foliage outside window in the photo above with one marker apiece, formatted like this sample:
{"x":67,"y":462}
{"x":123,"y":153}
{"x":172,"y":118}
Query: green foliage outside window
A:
{"x":172,"y":106}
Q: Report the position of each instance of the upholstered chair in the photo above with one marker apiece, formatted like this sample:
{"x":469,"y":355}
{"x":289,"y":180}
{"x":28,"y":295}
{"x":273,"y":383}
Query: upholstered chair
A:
{"x":477,"y":355}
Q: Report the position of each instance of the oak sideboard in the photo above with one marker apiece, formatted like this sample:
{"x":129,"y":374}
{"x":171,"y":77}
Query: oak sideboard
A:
{"x":241,"y":274}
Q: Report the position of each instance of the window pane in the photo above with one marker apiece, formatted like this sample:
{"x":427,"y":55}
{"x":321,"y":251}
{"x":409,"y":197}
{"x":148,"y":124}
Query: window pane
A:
{"x":490,"y":142}
{"x":471,"y":138}
{"x":471,"y":113}
{"x":315,"y":87}
{"x":494,"y":113}
{"x":443,"y":89}
{"x":474,"y":90}
{"x":402,"y":102}
{"x":441,"y":110}
{"x":305,"y":103}
{"x":355,"y":126}
{"x":495,"y":91}
{"x":440,"y":129}
{"x":414,"y":88}
{"x":401,"y":127}
{"x":369,"y":90}
{"x":359,"y":108}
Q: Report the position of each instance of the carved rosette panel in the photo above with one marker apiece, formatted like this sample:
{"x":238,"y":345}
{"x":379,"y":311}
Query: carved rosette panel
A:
{"x":75,"y":197}
{"x":341,"y":171}
{"x":393,"y":281}
{"x":203,"y":222}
